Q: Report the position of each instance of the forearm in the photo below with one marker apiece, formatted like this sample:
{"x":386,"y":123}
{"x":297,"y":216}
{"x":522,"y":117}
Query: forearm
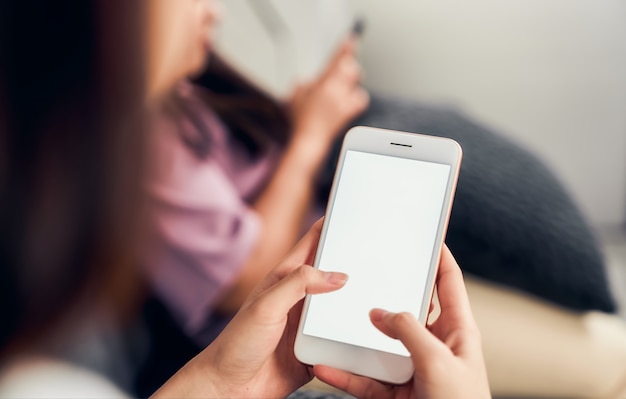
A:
{"x":282,"y":207}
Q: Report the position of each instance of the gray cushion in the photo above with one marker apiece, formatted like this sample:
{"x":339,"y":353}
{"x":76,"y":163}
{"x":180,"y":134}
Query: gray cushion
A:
{"x":512,"y":221}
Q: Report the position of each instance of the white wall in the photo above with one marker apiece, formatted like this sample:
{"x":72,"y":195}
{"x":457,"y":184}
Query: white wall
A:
{"x":551,"y":73}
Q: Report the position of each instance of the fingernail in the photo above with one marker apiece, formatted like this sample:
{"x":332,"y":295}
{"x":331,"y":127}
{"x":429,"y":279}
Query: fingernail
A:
{"x":378,"y":314}
{"x":336,"y":278}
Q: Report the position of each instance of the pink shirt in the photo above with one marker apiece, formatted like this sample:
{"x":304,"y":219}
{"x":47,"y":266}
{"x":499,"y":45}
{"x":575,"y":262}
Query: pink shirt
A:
{"x":205,"y":228}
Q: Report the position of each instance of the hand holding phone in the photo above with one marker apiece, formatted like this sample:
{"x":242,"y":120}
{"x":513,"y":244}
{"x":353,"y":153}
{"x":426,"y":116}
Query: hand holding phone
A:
{"x":253,"y":356}
{"x":384,"y":227}
{"x":446,"y":355}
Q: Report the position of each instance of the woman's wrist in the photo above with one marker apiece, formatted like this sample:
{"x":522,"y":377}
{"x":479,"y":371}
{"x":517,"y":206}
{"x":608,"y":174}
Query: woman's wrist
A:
{"x":308,"y":150}
{"x":301,"y":166}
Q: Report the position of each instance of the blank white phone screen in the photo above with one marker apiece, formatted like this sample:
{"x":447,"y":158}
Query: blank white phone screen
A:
{"x":381,"y":232}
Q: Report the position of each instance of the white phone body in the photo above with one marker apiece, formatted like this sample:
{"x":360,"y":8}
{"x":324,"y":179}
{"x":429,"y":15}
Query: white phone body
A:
{"x":385,"y":226}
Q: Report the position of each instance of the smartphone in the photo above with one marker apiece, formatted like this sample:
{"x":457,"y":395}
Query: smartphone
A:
{"x":385,"y":225}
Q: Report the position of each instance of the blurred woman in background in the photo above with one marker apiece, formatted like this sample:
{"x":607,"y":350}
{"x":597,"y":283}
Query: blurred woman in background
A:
{"x":234,"y":181}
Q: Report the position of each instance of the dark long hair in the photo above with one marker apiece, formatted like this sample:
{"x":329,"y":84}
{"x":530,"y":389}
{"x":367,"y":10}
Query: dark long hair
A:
{"x":253,"y":118}
{"x":70,"y":169}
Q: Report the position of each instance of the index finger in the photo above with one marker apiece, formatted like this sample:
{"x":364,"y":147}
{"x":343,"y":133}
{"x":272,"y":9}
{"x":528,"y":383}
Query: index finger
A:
{"x":276,"y":301}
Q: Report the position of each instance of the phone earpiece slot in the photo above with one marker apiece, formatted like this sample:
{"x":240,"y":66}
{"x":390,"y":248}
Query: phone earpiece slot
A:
{"x":402,"y":145}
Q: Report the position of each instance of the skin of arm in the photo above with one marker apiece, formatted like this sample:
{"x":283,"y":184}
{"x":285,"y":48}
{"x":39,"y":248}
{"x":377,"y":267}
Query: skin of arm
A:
{"x":320,"y":109}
